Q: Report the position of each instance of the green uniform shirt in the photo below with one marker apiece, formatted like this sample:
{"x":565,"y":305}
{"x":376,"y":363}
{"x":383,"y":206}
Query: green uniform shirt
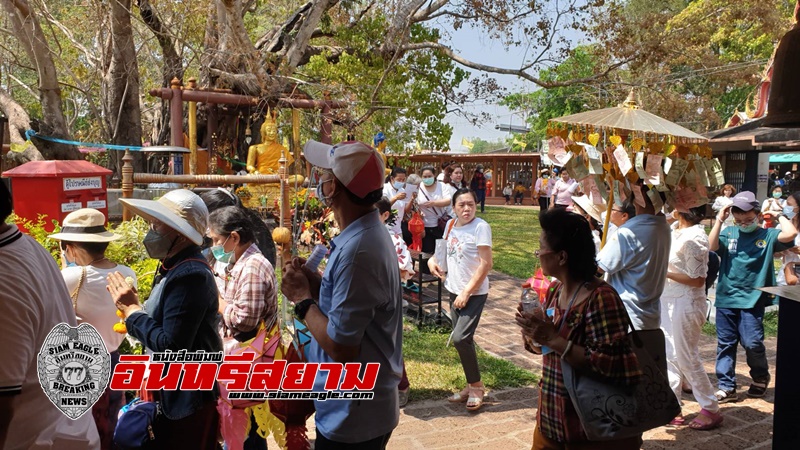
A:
{"x":746,"y":263}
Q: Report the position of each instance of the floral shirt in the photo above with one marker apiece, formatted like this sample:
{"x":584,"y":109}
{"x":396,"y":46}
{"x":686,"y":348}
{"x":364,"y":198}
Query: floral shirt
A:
{"x":600,"y":325}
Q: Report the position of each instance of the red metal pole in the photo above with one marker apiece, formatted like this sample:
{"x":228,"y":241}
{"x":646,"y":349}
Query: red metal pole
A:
{"x":176,"y":114}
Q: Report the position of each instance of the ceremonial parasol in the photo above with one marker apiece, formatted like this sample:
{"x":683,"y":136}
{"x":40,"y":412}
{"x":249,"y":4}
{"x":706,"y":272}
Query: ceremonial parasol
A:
{"x":635,"y":137}
{"x":631,"y":118}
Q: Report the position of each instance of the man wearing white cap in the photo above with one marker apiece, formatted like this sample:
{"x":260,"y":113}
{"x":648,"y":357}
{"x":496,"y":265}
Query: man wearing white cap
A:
{"x":354,"y":311}
{"x":33,"y":300}
{"x":181,"y":313}
{"x":746,"y":264}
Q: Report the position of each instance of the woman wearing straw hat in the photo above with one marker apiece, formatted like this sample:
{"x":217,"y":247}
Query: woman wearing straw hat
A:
{"x":181,"y":313}
{"x":84,"y":241}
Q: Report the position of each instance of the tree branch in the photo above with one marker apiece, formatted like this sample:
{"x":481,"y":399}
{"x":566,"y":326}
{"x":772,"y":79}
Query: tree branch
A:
{"x":518,"y":72}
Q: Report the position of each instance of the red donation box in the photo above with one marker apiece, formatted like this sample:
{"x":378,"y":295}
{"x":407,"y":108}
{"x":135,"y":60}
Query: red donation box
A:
{"x":56,"y":188}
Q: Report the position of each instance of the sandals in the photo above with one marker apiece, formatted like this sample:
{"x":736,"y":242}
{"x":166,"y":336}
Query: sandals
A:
{"x":716,"y":420}
{"x":475,"y":400}
{"x":459,"y":397}
{"x":677,"y":422}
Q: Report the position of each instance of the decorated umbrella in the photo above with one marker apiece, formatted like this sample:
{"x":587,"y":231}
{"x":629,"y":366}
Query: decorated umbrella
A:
{"x":638,"y":145}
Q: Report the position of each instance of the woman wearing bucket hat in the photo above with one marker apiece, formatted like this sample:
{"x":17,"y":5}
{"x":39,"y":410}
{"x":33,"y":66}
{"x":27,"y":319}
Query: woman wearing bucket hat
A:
{"x":84,"y":241}
{"x":181,"y":313}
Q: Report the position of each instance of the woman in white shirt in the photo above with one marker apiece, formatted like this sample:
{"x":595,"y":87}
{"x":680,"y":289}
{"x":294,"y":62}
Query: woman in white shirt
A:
{"x":84,"y":241}
{"x":728,"y":191}
{"x":790,"y":259}
{"x":683,"y":313}
{"x":772,"y":207}
{"x":433,"y":201}
{"x":394,"y":190}
{"x":469,"y":260}
{"x":563,"y":190}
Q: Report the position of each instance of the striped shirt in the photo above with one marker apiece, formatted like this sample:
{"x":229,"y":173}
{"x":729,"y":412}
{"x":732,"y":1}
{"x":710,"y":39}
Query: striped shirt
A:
{"x":599,"y":324}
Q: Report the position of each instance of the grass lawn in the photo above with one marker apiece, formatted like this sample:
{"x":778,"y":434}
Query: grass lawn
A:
{"x":435,"y":371}
{"x":515,"y":236}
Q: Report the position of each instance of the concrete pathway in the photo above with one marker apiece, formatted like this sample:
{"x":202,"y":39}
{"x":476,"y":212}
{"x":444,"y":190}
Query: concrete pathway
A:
{"x":507,"y":419}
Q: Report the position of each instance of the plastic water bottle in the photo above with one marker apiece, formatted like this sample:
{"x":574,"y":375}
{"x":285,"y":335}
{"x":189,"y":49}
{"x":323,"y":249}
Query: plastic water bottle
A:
{"x":316,"y":257}
{"x":530,"y":303}
{"x":530,"y":299}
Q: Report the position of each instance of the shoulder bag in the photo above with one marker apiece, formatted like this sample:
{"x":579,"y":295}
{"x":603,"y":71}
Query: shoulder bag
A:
{"x":441,"y":248}
{"x":611,"y":411}
{"x":136,"y":425}
{"x":442,"y":219}
{"x":74,"y":295}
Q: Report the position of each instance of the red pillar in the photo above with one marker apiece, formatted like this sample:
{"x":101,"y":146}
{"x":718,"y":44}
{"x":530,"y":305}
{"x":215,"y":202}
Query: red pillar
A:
{"x":176,"y":114}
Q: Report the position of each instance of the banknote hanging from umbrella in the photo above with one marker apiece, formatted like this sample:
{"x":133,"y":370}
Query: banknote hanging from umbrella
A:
{"x":614,"y":152}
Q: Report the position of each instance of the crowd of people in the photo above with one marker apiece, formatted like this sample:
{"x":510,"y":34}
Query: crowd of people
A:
{"x":216,"y":289}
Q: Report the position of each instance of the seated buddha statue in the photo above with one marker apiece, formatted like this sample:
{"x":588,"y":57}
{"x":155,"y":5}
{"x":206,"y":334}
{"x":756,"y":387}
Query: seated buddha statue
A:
{"x":263,"y":158}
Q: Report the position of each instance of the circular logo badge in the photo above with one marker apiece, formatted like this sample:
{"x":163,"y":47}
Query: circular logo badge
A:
{"x":761,"y":243}
{"x":74,"y":368}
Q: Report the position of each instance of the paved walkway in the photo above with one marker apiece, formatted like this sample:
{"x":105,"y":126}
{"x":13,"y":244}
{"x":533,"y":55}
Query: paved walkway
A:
{"x":507,"y":419}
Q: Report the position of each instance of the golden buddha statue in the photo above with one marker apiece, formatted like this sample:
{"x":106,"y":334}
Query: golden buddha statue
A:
{"x":263,"y":158}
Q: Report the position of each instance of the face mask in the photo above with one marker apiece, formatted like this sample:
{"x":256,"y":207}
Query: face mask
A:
{"x":220,"y":254}
{"x":747,"y":228}
{"x":545,"y":176}
{"x":157,"y":245}
{"x":428,"y":181}
{"x":399,"y":185}
{"x":777,"y":194}
{"x":788,"y":211}
{"x":69,"y":263}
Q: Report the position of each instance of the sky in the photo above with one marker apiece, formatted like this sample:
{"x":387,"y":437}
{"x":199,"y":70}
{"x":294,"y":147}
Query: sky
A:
{"x":472,"y":45}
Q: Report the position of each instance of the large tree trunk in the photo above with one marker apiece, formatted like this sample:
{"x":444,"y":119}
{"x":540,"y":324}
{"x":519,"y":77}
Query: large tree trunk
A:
{"x":30,"y":36}
{"x":121,"y":80}
{"x":18,"y":123}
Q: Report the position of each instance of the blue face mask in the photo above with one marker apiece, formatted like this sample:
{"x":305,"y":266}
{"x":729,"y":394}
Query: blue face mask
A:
{"x":747,"y":228}
{"x":399,"y":185}
{"x":429,"y":181}
{"x":789,"y":212}
{"x":220,"y":254}
{"x":66,"y":260}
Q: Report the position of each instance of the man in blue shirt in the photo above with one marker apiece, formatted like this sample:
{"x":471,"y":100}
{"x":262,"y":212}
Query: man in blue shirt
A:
{"x":354,"y":311}
{"x":746,"y":263}
{"x":636,"y":260}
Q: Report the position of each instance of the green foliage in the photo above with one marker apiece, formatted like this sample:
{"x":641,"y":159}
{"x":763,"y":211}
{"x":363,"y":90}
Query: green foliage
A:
{"x":435,"y":372}
{"x":481,"y":146}
{"x":128,"y":249}
{"x":515,"y":236}
{"x":545,"y":104}
{"x":36,"y":229}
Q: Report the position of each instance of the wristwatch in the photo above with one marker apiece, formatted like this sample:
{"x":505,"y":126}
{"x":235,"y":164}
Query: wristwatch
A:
{"x":301,"y":308}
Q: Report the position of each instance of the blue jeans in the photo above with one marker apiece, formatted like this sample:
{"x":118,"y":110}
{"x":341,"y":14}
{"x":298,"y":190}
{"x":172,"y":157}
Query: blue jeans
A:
{"x":745,"y":326}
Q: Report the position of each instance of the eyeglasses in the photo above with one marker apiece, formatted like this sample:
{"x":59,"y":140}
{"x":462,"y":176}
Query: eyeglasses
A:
{"x":616,"y":210}
{"x":540,"y":253}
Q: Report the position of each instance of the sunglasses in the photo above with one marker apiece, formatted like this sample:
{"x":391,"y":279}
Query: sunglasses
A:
{"x":540,"y":253}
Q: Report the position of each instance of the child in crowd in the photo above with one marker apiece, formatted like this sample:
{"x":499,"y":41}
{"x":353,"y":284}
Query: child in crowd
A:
{"x":507,"y":191}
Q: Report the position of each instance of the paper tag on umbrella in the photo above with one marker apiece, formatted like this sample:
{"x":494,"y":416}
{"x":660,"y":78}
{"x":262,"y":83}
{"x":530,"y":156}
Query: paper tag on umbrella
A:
{"x":639,"y":164}
{"x":715,"y":173}
{"x":653,"y":170}
{"x":691,"y":177}
{"x":589,"y":185}
{"x":669,"y":205}
{"x":577,"y":167}
{"x":638,"y":196}
{"x":601,"y":187}
{"x":655,"y":197}
{"x":556,"y":151}
{"x":676,"y":172}
{"x":595,"y":161}
{"x":618,"y":193}
{"x":623,"y":162}
{"x":702,"y":192}
{"x":702,"y":172}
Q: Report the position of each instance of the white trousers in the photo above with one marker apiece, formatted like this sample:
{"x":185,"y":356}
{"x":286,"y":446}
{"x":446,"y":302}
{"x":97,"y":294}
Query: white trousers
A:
{"x":683,"y":312}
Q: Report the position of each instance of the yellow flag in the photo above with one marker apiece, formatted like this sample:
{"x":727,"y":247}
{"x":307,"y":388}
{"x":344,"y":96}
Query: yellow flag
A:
{"x":418,"y":146}
{"x":520,"y":143}
{"x":467,"y":143}
{"x":19,"y":148}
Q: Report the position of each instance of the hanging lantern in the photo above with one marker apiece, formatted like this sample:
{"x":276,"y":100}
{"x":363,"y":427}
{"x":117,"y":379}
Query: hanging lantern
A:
{"x":783,"y":109}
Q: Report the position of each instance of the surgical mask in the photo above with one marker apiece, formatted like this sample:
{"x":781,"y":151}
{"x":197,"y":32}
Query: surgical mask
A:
{"x":789,"y":212}
{"x":66,"y":260}
{"x":220,"y":254}
{"x":158,"y":245}
{"x":749,"y":228}
{"x":428,"y":181}
{"x":398,"y":185}
{"x":777,"y":194}
{"x":545,"y":176}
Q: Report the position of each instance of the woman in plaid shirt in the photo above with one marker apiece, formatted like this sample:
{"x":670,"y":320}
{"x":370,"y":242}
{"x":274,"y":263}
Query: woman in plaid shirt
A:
{"x":589,"y":335}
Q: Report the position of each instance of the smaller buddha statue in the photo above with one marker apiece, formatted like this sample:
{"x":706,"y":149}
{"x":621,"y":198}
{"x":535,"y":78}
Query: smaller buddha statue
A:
{"x":263,"y":158}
